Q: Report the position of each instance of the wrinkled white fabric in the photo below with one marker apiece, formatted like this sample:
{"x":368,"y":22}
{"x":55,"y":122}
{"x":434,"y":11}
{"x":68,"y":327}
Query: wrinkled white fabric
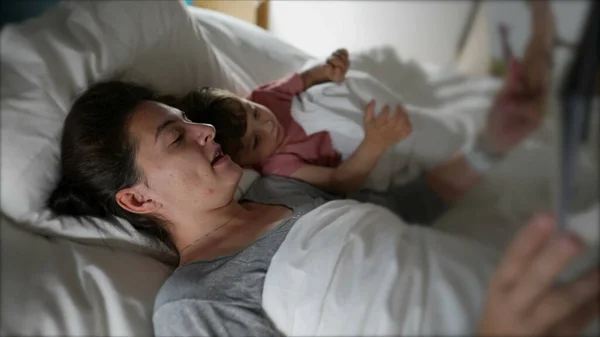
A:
{"x":351,"y":269}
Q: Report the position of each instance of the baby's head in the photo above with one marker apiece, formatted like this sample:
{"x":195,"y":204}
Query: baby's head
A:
{"x":247,"y":131}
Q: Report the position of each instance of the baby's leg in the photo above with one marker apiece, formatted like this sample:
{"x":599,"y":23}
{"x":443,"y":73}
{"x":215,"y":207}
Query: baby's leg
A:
{"x":414,"y":202}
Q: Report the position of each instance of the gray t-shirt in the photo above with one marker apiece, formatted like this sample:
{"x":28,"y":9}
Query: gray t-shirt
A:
{"x":223,"y":297}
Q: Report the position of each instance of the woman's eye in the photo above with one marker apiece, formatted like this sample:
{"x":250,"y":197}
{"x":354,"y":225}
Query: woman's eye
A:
{"x":178,"y":139}
{"x":255,"y":111}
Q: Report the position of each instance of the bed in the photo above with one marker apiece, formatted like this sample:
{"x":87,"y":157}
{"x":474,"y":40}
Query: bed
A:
{"x":66,"y":277}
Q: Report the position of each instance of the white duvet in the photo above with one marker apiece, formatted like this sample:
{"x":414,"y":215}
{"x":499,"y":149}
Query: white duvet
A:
{"x":352,"y":269}
{"x":355,"y":269}
{"x":438,"y":132}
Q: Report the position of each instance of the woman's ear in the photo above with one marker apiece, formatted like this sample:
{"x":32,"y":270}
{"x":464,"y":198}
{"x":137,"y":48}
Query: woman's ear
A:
{"x":132,"y":200}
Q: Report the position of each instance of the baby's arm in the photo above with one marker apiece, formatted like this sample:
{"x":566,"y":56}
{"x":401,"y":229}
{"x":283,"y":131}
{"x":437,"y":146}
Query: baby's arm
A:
{"x":345,"y":178}
{"x":380,"y":133}
{"x":334,"y":69}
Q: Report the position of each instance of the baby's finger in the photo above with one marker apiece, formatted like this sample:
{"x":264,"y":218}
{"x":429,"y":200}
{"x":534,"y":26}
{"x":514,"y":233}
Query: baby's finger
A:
{"x":401,"y":112}
{"x":338,"y":74}
{"x":336,"y":62}
{"x":523,"y":250}
{"x":342,"y":53}
{"x":543,"y":271}
{"x":403,"y":122}
{"x":397,"y":116}
{"x":383,"y":116}
{"x":370,"y":112}
{"x":328,"y":69}
{"x":346,"y":65}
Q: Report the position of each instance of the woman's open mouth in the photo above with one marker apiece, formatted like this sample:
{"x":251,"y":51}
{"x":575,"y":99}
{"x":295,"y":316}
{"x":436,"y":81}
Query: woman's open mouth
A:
{"x":219,"y":157}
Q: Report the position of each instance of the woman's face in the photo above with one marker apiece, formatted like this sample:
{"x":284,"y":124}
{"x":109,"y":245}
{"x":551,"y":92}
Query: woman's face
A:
{"x":184,"y":169}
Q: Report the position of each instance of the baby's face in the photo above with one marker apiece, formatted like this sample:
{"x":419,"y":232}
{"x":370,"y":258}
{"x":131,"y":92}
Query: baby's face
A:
{"x":264,"y":134}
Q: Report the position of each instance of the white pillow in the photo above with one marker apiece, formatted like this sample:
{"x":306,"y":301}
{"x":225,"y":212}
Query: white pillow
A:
{"x":247,"y":56}
{"x":55,"y":287}
{"x":47,"y":61}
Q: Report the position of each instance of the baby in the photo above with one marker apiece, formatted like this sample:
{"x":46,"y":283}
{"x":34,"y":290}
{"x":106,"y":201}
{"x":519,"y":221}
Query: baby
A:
{"x":259,"y":132}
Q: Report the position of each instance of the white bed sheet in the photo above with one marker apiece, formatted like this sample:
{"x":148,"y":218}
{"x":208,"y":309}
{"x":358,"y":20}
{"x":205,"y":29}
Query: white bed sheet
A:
{"x":56,"y":287}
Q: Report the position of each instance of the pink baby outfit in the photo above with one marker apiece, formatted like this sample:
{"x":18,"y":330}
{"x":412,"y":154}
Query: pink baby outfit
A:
{"x":298,"y":148}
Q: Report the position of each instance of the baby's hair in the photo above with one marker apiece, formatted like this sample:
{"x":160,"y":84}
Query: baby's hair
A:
{"x":220,"y":108}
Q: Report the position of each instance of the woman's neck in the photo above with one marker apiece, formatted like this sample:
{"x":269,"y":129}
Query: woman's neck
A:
{"x":224,"y":230}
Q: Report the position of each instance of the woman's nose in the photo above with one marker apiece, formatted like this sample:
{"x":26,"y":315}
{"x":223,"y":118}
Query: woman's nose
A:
{"x":205,"y":133}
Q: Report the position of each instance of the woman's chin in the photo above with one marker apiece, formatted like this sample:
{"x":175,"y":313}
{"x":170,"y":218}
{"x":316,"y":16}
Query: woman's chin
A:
{"x":237,"y":172}
{"x":228,"y":172}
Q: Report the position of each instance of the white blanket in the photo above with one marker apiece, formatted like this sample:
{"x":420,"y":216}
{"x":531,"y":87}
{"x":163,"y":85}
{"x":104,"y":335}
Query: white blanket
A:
{"x":338,"y":108}
{"x":355,"y":269}
{"x":351,"y":269}
{"x":445,"y":108}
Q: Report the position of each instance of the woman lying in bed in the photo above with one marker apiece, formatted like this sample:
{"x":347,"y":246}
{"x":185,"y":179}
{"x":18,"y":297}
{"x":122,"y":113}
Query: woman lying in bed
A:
{"x":126,"y":155}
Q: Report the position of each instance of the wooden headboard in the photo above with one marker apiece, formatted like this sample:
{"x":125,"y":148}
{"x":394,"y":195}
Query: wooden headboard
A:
{"x":252,"y":11}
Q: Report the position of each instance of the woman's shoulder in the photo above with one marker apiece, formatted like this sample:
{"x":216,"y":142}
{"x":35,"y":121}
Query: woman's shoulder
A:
{"x":238,"y":276}
{"x":199,"y":283}
{"x":200,"y":298}
{"x":183,"y":283}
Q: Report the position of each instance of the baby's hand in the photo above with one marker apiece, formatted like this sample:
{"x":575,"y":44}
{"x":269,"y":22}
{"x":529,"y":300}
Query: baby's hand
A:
{"x":334,"y":69}
{"x":386,"y":129}
{"x":337,"y":65}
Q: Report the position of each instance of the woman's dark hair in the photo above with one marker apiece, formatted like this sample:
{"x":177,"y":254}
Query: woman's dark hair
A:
{"x":98,"y":157}
{"x":219,"y":108}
